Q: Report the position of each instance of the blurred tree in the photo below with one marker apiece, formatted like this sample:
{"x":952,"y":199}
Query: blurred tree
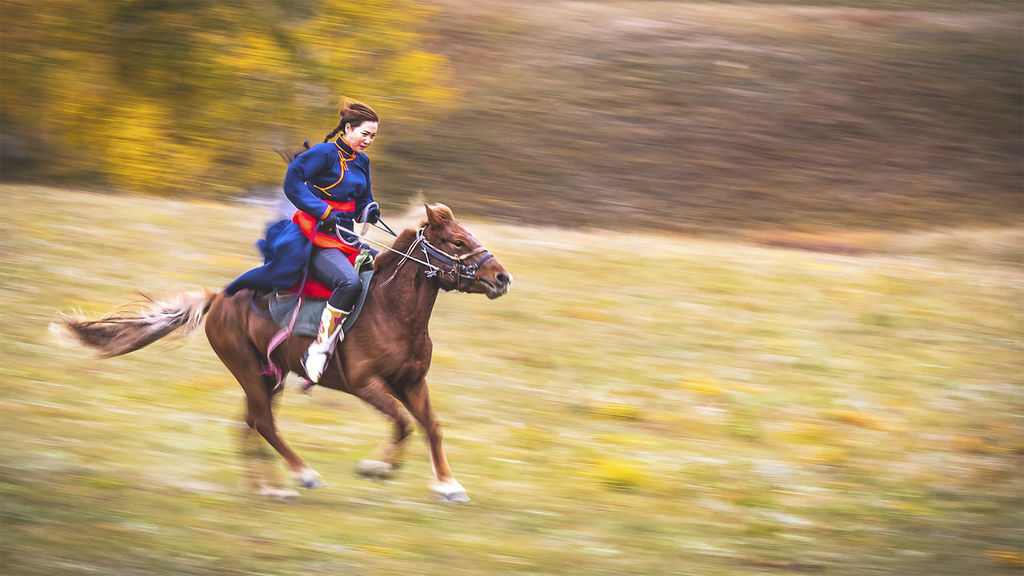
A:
{"x":172,"y":96}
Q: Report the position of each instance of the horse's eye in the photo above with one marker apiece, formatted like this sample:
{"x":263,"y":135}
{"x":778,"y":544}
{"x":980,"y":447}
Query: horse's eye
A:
{"x":459,"y":243}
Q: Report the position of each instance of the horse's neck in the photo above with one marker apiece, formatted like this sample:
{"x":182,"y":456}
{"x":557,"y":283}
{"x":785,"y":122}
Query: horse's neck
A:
{"x":407,"y":294}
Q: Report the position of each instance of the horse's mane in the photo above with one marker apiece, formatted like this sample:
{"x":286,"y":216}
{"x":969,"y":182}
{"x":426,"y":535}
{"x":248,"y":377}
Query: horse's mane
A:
{"x":387,"y":258}
{"x":406,"y":238}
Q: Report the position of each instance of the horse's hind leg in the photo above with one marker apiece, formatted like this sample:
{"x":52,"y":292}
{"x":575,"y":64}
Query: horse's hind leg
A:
{"x":261,"y":465}
{"x":417,"y":400}
{"x":260,"y":418}
{"x":244,"y":364}
{"x":376,"y":394}
{"x":229,"y":326}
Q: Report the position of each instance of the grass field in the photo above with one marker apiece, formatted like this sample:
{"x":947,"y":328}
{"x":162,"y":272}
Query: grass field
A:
{"x":639,"y":404}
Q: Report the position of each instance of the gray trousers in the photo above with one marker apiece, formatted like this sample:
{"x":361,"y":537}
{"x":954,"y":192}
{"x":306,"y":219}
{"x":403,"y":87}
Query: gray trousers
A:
{"x":331,"y":268}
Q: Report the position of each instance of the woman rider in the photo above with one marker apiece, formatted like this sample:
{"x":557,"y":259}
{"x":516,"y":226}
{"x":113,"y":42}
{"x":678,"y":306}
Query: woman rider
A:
{"x":330,"y":185}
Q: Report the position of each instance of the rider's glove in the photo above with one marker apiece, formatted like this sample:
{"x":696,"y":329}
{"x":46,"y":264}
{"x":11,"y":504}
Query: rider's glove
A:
{"x":372,"y":214}
{"x":333,"y":220}
{"x":336,"y":224}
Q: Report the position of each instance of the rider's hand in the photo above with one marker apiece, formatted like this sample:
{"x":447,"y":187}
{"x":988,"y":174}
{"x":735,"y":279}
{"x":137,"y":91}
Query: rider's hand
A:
{"x":372,"y":214}
{"x":333,"y":220}
{"x":335,"y":225}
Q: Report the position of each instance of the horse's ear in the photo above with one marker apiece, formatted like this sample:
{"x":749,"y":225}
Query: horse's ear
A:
{"x":438,"y":214}
{"x":432,"y":218}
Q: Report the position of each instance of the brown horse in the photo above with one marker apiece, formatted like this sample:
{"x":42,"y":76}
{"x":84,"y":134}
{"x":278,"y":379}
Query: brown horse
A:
{"x":383,"y":359}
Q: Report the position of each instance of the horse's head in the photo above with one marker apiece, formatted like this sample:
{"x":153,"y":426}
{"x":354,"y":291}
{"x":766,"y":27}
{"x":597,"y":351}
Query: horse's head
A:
{"x":462,"y":263}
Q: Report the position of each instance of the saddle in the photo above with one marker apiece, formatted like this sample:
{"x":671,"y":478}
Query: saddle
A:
{"x":297,"y":310}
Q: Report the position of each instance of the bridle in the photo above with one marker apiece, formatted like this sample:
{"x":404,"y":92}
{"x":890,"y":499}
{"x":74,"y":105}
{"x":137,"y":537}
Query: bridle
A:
{"x":459,"y":270}
{"x":460,"y":266}
{"x":456,"y":267}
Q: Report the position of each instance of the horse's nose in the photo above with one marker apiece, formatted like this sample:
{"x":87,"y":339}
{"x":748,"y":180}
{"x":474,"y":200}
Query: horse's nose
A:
{"x":504,"y":280}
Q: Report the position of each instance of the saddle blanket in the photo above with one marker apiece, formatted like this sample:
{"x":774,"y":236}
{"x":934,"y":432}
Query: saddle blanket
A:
{"x":282,"y":306}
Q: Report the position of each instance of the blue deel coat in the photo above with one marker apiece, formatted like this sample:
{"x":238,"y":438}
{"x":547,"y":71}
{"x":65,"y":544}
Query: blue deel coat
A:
{"x":285,"y":251}
{"x":329,"y":171}
{"x":325,"y":172}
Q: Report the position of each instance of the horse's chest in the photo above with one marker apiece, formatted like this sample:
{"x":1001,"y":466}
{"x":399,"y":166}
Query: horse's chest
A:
{"x":409,"y":364}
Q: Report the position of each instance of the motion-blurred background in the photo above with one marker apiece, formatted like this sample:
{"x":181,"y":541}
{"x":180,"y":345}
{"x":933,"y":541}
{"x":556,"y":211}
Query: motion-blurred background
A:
{"x":766,"y":316}
{"x":677,"y":115}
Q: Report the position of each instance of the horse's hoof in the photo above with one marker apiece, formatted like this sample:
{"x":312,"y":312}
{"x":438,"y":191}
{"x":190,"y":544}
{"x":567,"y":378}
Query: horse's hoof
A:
{"x":457,"y":497}
{"x":450,"y":491}
{"x":272,"y":493}
{"x":310,"y":478}
{"x":375,"y":469}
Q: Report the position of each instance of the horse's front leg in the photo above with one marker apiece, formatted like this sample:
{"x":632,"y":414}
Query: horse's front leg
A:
{"x":377,"y":395}
{"x":417,"y":400}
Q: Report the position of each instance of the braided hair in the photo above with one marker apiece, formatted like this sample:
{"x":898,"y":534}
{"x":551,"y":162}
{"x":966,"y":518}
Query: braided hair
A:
{"x":354,"y":113}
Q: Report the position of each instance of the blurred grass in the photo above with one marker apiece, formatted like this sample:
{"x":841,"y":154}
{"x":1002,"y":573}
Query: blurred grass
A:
{"x":639,"y":404}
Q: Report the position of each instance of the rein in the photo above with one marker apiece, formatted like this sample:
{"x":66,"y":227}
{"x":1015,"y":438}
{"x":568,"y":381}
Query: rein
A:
{"x":346,"y":236}
{"x":459,"y":268}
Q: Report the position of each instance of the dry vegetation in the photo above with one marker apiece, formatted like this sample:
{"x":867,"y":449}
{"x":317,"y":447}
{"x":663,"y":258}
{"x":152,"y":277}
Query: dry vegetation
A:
{"x":814,"y":367}
{"x":639,"y":404}
{"x":713,"y":116}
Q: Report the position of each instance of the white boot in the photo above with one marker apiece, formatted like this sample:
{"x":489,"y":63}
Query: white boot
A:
{"x":327,"y":337}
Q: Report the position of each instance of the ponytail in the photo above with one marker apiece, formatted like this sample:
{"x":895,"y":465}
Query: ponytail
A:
{"x":333,"y":133}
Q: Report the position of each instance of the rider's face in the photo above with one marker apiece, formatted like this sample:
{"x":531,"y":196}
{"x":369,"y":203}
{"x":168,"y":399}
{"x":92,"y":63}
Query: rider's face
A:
{"x":360,"y":137}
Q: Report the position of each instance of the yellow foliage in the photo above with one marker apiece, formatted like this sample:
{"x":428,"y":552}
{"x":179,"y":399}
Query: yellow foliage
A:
{"x":627,"y":440}
{"x":134,"y":139}
{"x":911,"y":508}
{"x":970,"y":444}
{"x":592,"y":314}
{"x":190,"y":98}
{"x":530,"y":437}
{"x":619,"y":475}
{"x":830,"y":455}
{"x":709,"y":387}
{"x":1010,"y":557}
{"x":857,"y":418}
{"x":381,"y":551}
{"x":617,"y":411}
{"x":808,"y":432}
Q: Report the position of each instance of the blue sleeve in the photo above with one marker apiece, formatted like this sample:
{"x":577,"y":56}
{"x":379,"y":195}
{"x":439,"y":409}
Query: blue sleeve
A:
{"x":367,"y":196}
{"x":304,"y":167}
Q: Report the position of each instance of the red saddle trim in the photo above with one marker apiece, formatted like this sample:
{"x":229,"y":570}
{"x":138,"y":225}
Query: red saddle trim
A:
{"x":314,"y":289}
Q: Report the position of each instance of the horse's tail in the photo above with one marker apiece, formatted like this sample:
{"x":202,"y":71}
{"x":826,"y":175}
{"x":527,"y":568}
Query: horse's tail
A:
{"x":124,"y":332}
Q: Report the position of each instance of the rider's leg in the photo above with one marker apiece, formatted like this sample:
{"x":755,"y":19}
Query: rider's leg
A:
{"x":332,"y":268}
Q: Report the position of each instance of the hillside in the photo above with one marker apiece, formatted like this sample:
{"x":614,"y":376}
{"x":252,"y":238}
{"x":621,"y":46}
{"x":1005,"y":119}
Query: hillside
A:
{"x":715,"y":117}
{"x":721,"y":115}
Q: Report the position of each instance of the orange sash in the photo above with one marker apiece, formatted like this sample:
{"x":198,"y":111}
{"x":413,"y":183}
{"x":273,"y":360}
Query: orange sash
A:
{"x":308,"y":224}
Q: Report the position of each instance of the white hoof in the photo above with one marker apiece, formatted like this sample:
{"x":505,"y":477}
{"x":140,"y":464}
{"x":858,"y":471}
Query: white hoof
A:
{"x":271,"y":493}
{"x":450,"y":491}
{"x":310,"y":478}
{"x":375,"y":469}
